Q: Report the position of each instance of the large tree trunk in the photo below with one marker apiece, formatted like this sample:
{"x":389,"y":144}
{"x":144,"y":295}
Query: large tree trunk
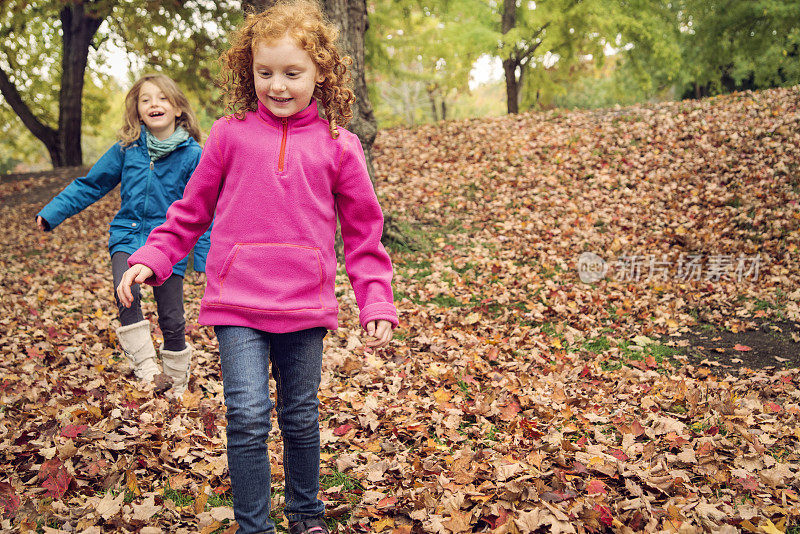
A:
{"x":510,"y":61}
{"x":78,"y":29}
{"x":43,"y":132}
{"x":351,"y":17}
{"x":64,"y":143}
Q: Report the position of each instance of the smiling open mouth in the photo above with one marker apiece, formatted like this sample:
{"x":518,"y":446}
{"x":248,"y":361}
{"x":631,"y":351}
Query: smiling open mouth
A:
{"x":281,"y":100}
{"x":156,"y":114}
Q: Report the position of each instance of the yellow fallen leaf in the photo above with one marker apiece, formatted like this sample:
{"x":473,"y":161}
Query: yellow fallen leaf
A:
{"x":472,"y":318}
{"x":769,"y":528}
{"x":383,"y":524}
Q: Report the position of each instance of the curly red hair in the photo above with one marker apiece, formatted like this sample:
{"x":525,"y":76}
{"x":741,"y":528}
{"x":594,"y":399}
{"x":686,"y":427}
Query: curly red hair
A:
{"x":303,"y":21}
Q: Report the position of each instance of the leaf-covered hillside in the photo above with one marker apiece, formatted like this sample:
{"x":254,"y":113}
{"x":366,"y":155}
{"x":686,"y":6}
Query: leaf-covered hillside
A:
{"x":515,"y":397}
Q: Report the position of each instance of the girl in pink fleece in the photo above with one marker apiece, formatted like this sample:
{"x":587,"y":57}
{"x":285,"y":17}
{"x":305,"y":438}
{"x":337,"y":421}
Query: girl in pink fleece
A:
{"x":274,"y":176}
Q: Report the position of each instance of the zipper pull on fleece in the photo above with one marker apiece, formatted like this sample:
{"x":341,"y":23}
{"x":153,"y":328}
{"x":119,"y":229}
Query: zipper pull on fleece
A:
{"x":285,"y":123}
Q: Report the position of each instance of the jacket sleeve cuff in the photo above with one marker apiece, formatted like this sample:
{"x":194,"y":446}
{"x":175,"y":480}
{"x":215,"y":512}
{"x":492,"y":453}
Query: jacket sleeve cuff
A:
{"x":51,"y":217}
{"x":156,"y":260}
{"x":377,"y":311}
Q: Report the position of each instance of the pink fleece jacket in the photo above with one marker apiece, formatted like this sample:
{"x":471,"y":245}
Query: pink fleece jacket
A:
{"x":273,"y":187}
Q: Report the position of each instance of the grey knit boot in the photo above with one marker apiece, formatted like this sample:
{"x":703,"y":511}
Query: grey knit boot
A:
{"x":176,"y":366}
{"x":138,"y":348}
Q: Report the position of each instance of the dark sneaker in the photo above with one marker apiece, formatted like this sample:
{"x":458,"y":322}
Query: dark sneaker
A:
{"x":309,"y":526}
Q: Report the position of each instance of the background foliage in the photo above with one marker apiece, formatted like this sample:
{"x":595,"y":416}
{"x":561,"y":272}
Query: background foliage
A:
{"x":420,"y":57}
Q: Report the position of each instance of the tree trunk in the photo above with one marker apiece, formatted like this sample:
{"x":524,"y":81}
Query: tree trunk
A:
{"x":432,"y":101}
{"x":78,"y":30}
{"x":64,"y":143}
{"x":43,"y":132}
{"x":351,"y":17}
{"x":510,"y":62}
{"x":512,"y":85}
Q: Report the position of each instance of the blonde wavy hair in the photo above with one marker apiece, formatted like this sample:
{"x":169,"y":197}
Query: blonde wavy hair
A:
{"x":303,"y":21}
{"x":131,"y":124}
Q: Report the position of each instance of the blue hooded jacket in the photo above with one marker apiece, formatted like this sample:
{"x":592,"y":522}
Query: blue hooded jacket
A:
{"x":147,"y":190}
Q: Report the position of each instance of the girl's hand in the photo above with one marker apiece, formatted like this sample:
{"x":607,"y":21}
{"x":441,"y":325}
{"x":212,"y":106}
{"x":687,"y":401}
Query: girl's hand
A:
{"x":381,"y":331}
{"x":135,"y":275}
{"x":41,"y":223}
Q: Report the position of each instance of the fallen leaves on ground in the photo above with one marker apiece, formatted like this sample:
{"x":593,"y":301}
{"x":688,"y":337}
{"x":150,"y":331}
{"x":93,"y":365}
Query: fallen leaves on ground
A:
{"x":515,"y":398}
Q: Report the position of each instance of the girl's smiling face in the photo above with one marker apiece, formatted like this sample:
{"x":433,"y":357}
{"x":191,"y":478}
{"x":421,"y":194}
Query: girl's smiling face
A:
{"x":284,"y":76}
{"x":156,"y":111}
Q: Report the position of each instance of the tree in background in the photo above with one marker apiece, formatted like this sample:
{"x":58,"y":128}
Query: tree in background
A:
{"x":47,"y":46}
{"x":418,"y":59}
{"x":729,"y":45}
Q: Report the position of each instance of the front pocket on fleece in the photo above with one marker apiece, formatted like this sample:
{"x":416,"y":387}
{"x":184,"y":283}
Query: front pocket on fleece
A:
{"x":272,"y":277}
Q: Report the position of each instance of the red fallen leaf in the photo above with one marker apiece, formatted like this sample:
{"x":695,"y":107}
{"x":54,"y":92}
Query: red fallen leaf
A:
{"x":774,"y":408}
{"x":713,"y":431}
{"x":9,"y":501}
{"x":605,"y":514}
{"x":637,"y":429}
{"x":618,"y":454}
{"x":651,"y":362}
{"x":596,"y":486}
{"x":704,"y":449}
{"x":386,"y":502}
{"x":497,"y":520}
{"x":742,"y":348}
{"x":130,"y":404}
{"x":581,"y":442}
{"x":34,"y":352}
{"x":584,"y":371}
{"x":675,"y":439}
{"x":342,"y":430}
{"x":72,"y":431}
{"x":56,"y":478}
{"x":749,"y":484}
{"x":639,"y":364}
{"x":509,"y":411}
{"x":578,"y":468}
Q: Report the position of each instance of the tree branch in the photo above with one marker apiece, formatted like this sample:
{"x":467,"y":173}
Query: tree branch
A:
{"x":43,"y":132}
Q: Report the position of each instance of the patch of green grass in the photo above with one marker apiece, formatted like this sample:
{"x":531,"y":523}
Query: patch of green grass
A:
{"x":446,"y":301}
{"x":734,"y":202}
{"x":661,"y":353}
{"x":178,"y":497}
{"x":598,"y":345}
{"x":334,"y":477}
{"x":222,"y":499}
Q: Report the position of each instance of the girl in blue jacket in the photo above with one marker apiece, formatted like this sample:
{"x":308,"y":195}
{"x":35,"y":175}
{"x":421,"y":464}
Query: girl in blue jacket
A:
{"x":157,"y":152}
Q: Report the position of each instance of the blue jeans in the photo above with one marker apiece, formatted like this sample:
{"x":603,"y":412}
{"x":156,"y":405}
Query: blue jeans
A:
{"x":296,"y":358}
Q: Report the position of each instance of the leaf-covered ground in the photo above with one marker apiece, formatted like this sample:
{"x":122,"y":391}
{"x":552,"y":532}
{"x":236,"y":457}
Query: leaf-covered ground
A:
{"x":515,"y":397}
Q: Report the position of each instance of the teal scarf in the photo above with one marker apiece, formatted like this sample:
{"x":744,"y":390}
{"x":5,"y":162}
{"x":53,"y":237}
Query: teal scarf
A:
{"x":158,"y":149}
